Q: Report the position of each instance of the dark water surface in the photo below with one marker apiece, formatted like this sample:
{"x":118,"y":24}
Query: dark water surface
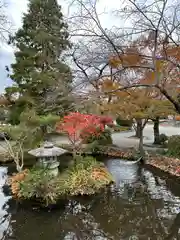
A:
{"x":141,"y":206}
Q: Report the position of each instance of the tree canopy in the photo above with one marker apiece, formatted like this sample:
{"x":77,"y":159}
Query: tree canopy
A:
{"x":40,"y":75}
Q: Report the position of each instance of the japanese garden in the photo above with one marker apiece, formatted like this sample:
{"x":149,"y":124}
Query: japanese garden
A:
{"x":90,"y":121}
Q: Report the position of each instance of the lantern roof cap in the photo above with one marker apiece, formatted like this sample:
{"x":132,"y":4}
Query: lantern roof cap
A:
{"x":47,"y":150}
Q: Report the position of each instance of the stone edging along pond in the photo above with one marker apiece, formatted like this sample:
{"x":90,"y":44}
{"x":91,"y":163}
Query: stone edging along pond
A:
{"x":108,"y":151}
{"x":167,"y":164}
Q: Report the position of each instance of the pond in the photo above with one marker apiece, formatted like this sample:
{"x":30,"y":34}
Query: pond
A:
{"x":142,"y":205}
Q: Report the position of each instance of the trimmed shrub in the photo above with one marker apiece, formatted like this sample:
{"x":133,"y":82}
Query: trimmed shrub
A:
{"x":163,"y":138}
{"x":124,"y":122}
{"x":93,"y":147}
{"x":104,"y":138}
{"x":174,"y":146}
{"x":39,"y":184}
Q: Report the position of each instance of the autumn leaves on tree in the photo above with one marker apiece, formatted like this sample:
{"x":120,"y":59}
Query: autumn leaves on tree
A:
{"x":150,"y":65}
{"x":149,"y":90}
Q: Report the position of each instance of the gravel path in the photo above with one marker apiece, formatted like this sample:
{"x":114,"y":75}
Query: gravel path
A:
{"x":126,"y":139}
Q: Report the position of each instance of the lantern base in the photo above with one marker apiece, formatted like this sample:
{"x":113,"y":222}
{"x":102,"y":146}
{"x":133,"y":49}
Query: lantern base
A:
{"x":54,"y":172}
{"x":50,"y":166}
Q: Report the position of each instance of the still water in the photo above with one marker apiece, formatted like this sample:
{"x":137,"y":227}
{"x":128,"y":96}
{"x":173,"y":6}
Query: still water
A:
{"x":141,"y":206}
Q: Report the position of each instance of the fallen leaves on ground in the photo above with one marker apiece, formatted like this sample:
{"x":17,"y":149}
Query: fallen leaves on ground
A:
{"x":109,"y":151}
{"x":167,"y":164}
{"x":115,"y":152}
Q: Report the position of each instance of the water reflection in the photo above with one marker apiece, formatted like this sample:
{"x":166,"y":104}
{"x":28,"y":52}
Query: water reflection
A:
{"x":126,"y":177}
{"x":5,"y":216}
{"x":141,"y":205}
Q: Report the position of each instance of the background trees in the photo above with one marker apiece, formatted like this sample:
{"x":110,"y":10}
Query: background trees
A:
{"x":146,"y":39}
{"x":41,"y":77}
{"x":5,"y":23}
{"x":139,"y":57}
{"x":138,"y":105}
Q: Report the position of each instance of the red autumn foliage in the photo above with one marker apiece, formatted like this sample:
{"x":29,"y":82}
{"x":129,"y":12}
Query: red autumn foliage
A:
{"x":77,"y":125}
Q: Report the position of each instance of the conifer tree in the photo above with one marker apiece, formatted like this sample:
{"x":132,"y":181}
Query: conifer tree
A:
{"x":39,"y":69}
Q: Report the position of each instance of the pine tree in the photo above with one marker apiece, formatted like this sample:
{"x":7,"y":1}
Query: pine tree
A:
{"x":39,"y":67}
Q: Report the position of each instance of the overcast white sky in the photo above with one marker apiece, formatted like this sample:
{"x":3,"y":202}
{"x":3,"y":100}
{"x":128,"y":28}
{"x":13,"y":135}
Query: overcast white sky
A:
{"x":15,"y":9}
{"x":15,"y":12}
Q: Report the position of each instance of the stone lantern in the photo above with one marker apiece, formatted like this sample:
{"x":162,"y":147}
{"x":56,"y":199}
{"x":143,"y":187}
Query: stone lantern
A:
{"x":47,"y":157}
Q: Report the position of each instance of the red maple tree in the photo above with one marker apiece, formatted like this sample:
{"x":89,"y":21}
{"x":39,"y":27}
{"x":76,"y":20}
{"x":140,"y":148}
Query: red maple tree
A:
{"x":78,"y":126}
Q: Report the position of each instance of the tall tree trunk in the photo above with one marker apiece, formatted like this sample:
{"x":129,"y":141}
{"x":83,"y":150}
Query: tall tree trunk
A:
{"x":156,"y":131}
{"x":44,"y":132}
{"x":141,"y":149}
{"x":138,"y":128}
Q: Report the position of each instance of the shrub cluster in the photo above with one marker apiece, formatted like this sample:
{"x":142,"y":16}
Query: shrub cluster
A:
{"x":103,"y":138}
{"x":163,"y":138}
{"x":37,"y":184}
{"x":124,"y":122}
{"x":86,"y":177}
{"x":174,"y":146}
